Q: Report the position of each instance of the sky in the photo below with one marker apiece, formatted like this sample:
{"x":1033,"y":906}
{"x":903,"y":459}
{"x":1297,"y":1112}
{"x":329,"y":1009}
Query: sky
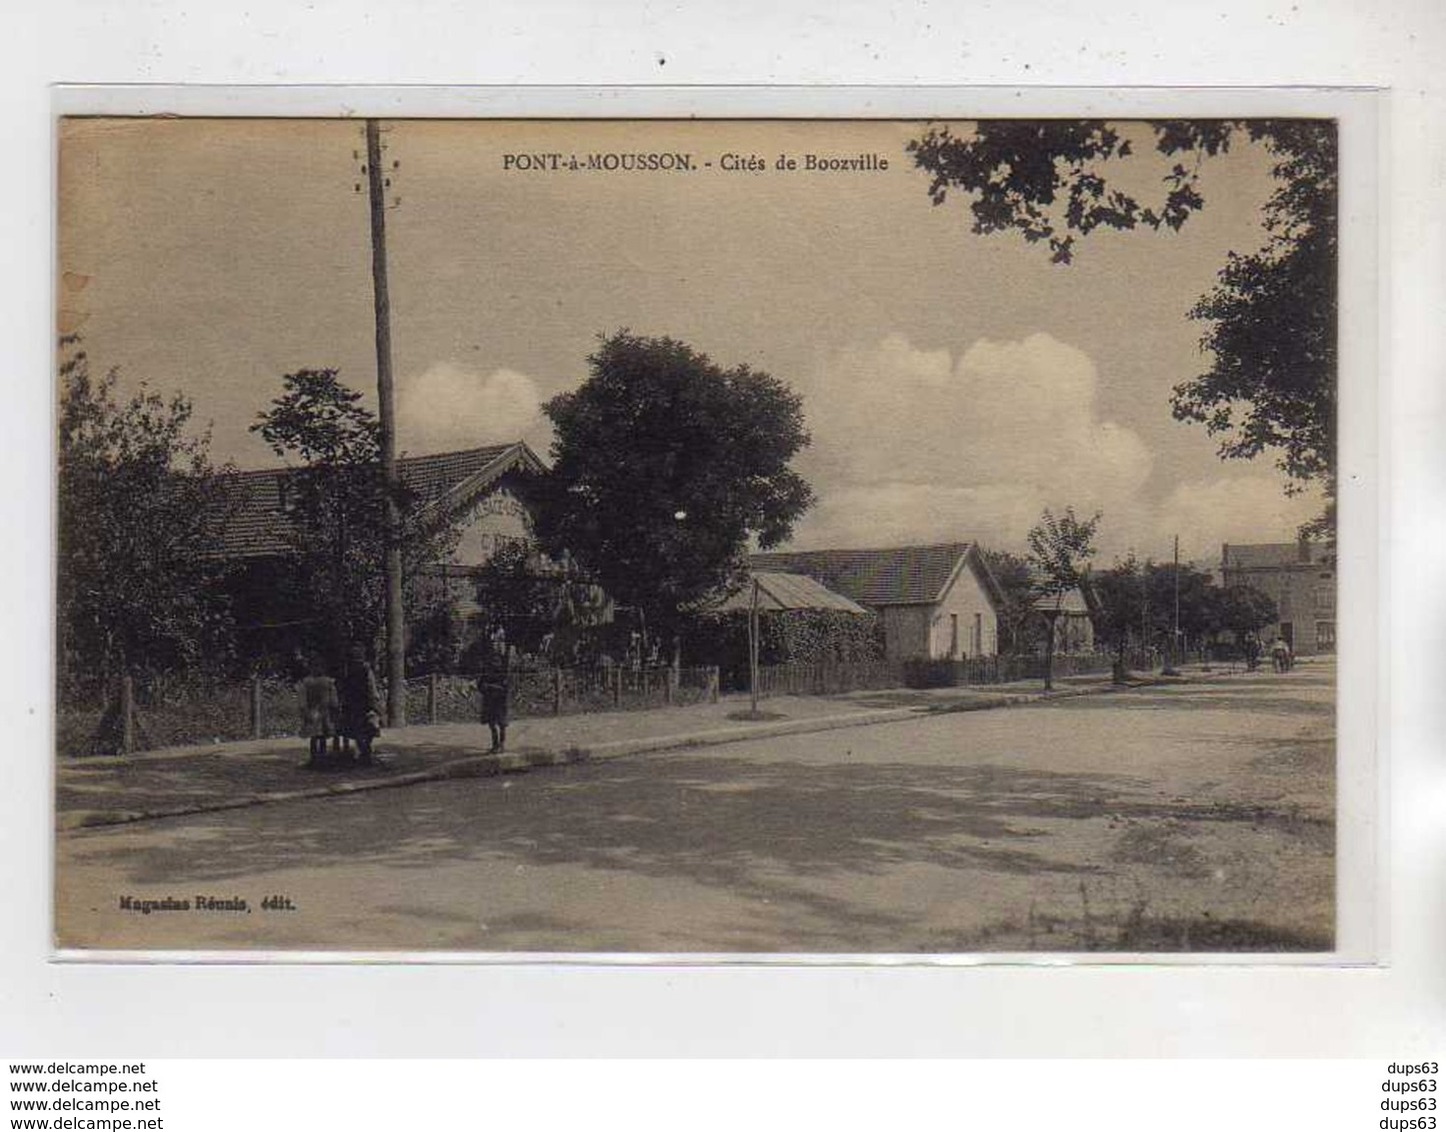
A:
{"x":955,"y":385}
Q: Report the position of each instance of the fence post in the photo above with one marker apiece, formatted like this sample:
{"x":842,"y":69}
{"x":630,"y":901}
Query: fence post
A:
{"x":670,"y":685}
{"x":128,"y":715}
{"x":256,"y":707}
{"x":432,"y":697}
{"x":556,"y":690}
{"x":714,"y":679}
{"x":617,"y":685}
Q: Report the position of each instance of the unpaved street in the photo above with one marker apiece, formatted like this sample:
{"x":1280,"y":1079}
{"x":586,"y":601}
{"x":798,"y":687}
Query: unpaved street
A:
{"x":1191,"y":817}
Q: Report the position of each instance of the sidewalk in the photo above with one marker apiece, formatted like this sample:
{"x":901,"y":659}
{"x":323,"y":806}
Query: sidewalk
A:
{"x":184,"y":780}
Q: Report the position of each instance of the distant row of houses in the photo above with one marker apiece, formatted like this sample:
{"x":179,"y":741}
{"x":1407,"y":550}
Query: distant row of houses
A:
{"x":937,"y":601}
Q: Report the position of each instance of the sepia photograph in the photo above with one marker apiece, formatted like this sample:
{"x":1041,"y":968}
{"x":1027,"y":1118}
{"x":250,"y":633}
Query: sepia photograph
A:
{"x":727,"y":538}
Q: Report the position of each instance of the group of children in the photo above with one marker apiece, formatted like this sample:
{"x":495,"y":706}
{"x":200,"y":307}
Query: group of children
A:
{"x":349,"y":711}
{"x":345,"y":712}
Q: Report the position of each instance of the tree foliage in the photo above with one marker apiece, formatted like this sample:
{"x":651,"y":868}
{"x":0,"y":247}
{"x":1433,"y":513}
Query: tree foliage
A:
{"x":1271,"y":333}
{"x":1137,"y":600}
{"x":1120,"y":604}
{"x":137,"y":589}
{"x":1060,"y":548}
{"x":1244,"y":609}
{"x":792,"y":636}
{"x":664,"y":466}
{"x":543,"y":607}
{"x":517,"y":597}
{"x":1046,"y":179}
{"x":1135,"y":606}
{"x":337,"y":504}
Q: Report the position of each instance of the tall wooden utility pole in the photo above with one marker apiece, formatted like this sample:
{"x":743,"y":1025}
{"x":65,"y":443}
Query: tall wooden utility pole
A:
{"x":1171,"y":668}
{"x":392,"y":566}
{"x":753,"y":647}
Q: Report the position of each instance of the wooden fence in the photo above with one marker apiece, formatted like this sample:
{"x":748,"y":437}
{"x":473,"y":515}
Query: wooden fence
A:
{"x":828,"y":679}
{"x":146,"y":715}
{"x":178,"y":712}
{"x":563,"y":691}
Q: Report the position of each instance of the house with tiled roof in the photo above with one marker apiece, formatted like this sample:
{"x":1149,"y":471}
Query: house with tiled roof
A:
{"x":476,"y":491}
{"x":474,"y":488}
{"x":1300,"y":578}
{"x":938,"y":601}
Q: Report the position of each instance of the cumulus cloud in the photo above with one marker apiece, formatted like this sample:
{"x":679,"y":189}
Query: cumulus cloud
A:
{"x":448,"y":406}
{"x":895,"y":513}
{"x":914,"y":444}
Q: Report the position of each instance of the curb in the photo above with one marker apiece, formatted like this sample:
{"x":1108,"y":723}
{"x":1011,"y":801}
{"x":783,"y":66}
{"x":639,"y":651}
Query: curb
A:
{"x":487,"y":766}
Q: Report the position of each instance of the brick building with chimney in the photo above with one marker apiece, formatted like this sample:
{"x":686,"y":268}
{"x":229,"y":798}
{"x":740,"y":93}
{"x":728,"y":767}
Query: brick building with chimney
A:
{"x":1300,"y":577}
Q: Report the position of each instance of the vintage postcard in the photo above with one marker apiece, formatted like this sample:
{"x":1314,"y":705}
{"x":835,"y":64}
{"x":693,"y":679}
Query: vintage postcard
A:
{"x":806,"y":538}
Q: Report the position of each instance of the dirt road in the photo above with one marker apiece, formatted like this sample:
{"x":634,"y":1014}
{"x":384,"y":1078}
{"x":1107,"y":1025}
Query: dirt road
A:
{"x":1197,"y":817}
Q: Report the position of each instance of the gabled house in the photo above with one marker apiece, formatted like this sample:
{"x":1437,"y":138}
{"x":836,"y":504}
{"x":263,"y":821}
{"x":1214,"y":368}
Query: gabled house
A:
{"x":936,"y":602}
{"x":480,"y":492}
{"x":475,"y":488}
{"x":1074,"y":627}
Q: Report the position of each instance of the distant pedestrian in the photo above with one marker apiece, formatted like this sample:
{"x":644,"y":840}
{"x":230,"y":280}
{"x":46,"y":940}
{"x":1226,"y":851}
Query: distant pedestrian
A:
{"x":361,"y":705}
{"x":494,"y":684}
{"x":1280,"y":655}
{"x":320,"y":707}
{"x":1252,"y":652}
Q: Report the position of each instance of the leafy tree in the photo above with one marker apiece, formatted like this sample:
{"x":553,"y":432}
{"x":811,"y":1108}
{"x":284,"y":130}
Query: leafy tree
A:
{"x":519,"y":597}
{"x":1120,"y":598}
{"x":1135,"y":605}
{"x":1196,"y":601}
{"x":1059,"y":550}
{"x":337,"y":505}
{"x":664,"y":466}
{"x":1244,"y":609}
{"x":137,"y":589}
{"x":1272,"y":315}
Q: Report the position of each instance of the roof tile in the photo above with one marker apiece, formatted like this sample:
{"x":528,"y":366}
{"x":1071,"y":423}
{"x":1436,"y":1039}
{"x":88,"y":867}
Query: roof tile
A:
{"x":902,"y":575}
{"x":258,"y":523}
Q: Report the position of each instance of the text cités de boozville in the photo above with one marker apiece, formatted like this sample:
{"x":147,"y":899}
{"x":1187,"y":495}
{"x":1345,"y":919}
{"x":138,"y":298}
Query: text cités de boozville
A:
{"x":666,"y":161}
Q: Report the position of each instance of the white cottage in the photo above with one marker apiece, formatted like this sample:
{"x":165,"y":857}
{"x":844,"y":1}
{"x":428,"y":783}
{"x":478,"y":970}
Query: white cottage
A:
{"x":937,"y":602}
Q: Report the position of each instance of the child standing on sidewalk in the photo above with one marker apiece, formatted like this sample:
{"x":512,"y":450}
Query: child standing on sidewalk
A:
{"x":494,"y":684}
{"x":319,"y":707}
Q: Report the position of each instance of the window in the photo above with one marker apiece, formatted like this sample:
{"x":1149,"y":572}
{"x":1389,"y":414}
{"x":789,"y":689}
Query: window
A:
{"x":1325,"y":636}
{"x":1325,"y":598}
{"x":953,"y":636}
